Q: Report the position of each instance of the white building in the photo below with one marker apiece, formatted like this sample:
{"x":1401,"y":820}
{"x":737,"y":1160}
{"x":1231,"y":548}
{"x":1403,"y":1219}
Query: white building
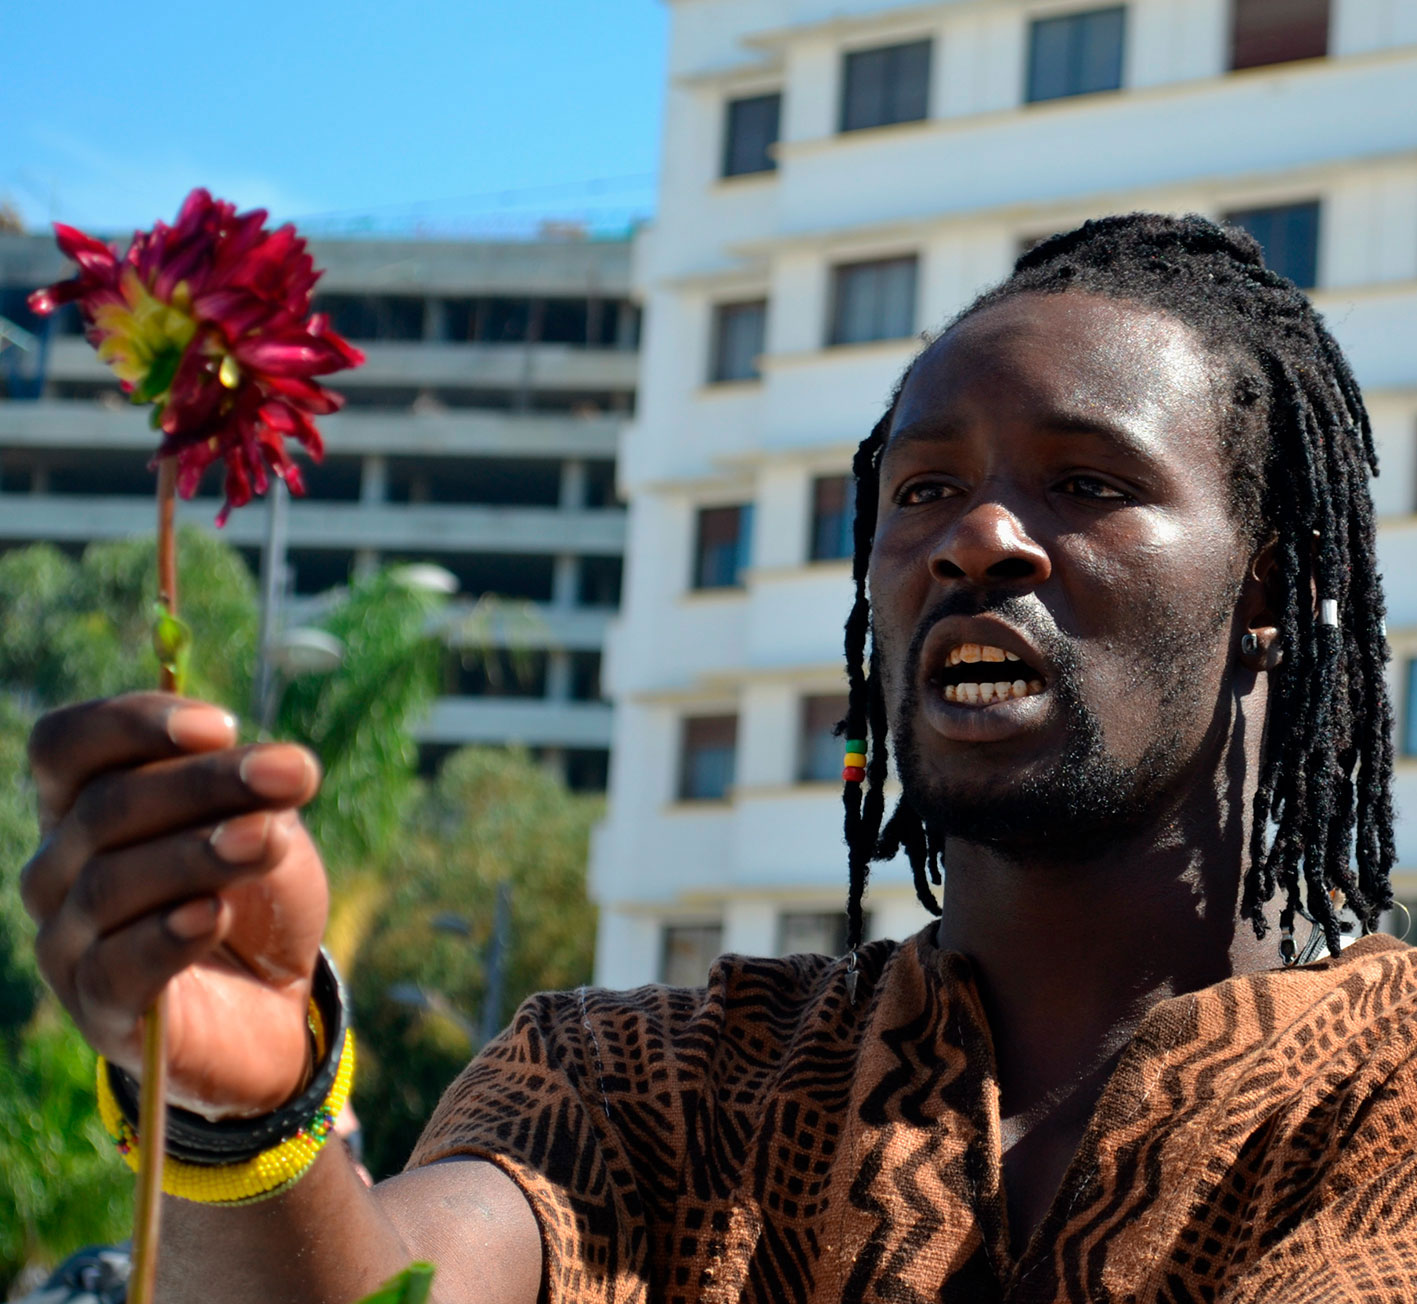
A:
{"x":481,"y":434}
{"x":838,"y":176}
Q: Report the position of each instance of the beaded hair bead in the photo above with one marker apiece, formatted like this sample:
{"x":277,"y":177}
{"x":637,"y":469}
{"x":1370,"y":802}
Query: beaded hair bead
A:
{"x":855,"y":763}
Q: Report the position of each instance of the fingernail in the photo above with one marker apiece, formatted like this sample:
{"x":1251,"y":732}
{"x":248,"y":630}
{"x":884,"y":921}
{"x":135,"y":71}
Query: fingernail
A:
{"x":201,"y":728}
{"x":241,"y":840}
{"x":193,"y":919}
{"x":276,"y":771}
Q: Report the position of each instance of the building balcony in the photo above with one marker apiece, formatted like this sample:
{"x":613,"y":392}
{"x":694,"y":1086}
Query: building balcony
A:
{"x":508,"y":367}
{"x":534,"y":723}
{"x":1027,"y":158}
{"x":84,"y":423}
{"x":419,"y":529}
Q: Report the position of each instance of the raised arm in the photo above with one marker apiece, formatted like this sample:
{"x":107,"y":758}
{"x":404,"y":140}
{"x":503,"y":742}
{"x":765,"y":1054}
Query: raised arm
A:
{"x":172,"y":857}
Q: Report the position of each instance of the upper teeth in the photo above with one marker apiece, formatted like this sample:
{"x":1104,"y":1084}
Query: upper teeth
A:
{"x":972,"y":652}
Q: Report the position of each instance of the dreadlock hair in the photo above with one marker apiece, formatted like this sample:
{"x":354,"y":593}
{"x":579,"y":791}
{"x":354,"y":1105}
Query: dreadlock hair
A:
{"x":1300,"y":448}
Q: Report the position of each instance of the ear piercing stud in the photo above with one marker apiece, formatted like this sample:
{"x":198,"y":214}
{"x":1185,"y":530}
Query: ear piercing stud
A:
{"x":1249,"y":644}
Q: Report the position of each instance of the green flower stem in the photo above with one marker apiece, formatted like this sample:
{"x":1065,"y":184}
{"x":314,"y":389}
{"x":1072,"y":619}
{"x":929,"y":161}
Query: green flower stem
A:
{"x":152,"y":1103}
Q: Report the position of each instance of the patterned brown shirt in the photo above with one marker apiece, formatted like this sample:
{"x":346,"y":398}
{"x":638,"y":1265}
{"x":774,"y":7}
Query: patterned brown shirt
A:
{"x":762,"y":1139}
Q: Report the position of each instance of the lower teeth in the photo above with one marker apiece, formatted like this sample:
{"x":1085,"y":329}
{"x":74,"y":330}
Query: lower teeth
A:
{"x":972,"y":693}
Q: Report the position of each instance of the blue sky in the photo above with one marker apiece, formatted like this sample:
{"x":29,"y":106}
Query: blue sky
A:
{"x":453,"y":116}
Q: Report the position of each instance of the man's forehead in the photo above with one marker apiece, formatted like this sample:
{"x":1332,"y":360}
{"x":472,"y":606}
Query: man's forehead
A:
{"x":1077,"y":353}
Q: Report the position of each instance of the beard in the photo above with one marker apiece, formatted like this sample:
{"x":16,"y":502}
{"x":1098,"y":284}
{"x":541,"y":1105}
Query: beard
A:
{"x":1086,"y":795}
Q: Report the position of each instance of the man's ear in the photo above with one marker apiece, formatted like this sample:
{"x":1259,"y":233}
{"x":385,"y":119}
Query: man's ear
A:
{"x":1260,"y":649}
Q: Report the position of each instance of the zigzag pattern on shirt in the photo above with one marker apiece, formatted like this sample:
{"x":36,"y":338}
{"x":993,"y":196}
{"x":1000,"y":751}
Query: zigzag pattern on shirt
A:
{"x":765,"y":1140}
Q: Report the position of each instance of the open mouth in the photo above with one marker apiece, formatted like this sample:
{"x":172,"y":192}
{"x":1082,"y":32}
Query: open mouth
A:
{"x":975,"y":674}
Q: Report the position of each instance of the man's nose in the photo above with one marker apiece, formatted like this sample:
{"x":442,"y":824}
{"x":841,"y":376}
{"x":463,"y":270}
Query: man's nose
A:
{"x":988,"y":545}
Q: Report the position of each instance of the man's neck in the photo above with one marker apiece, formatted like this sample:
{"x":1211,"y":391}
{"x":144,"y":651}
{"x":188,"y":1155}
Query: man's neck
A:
{"x":1071,"y":956}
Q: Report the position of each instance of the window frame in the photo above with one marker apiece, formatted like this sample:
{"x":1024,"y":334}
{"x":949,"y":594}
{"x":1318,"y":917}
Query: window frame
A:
{"x":893,"y":113}
{"x":841,"y":271}
{"x":817,"y":518}
{"x":687,"y":788}
{"x":726,"y":169}
{"x":808,"y":706}
{"x":704,"y":928}
{"x":1246,"y":41}
{"x":1075,"y":59}
{"x":698,"y":583}
{"x":1314,"y":205}
{"x":723,"y":315}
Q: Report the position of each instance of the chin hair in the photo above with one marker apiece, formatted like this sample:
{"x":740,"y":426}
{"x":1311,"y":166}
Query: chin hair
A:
{"x":1065,"y":812}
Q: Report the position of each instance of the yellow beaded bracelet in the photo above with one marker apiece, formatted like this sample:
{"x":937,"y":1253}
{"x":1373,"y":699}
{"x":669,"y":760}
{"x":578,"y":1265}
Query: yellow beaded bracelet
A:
{"x":251,"y":1180}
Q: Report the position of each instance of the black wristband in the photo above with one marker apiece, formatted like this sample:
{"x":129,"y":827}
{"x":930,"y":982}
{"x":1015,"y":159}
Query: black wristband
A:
{"x":196,"y":1140}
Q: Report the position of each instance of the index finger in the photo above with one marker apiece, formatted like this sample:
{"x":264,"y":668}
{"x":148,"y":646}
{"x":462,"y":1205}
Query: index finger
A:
{"x":71,"y":746}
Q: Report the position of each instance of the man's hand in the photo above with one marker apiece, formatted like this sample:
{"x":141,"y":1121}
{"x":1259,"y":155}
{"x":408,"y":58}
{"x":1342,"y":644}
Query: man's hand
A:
{"x":172,"y":857}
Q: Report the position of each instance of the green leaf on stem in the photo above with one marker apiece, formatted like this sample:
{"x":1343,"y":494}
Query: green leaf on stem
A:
{"x":172,"y":641}
{"x":411,"y":1286}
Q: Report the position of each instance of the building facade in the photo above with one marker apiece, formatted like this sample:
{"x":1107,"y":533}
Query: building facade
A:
{"x":481,"y":435}
{"x":839,"y":176}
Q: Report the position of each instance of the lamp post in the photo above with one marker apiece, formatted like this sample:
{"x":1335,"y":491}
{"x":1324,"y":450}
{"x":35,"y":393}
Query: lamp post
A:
{"x":417,"y":997}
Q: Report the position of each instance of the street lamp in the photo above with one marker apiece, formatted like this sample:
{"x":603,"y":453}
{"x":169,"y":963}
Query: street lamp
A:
{"x":498,"y":947}
{"x":292,"y":652}
{"x":416,"y":997}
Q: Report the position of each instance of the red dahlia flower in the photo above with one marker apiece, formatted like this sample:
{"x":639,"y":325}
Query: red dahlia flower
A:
{"x":209,"y":321}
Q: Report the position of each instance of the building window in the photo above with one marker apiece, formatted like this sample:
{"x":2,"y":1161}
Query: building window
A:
{"x":585,"y":677}
{"x":890,"y":84}
{"x":721,"y":551}
{"x":374,"y":316}
{"x":587,"y":769}
{"x":689,"y":950}
{"x":707,"y":751}
{"x":814,"y":932}
{"x":820,"y":750}
{"x":833,"y":507}
{"x":750,"y":132}
{"x":1075,"y":54}
{"x":1277,"y":31}
{"x":737,"y":340}
{"x":873,"y":301}
{"x":1289,"y":236}
{"x":600,"y":486}
{"x":497,"y":672}
{"x":1409,"y":729}
{"x":600,"y":581}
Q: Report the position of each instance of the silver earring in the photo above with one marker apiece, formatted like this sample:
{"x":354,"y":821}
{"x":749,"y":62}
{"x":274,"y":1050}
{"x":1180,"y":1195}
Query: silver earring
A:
{"x":1249,"y":644}
{"x":1288,"y":952}
{"x":853,"y":976}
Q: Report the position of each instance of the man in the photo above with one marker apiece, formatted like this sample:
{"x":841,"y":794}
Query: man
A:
{"x":1117,"y":607}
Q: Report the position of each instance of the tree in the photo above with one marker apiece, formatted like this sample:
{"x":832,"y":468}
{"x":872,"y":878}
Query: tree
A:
{"x":492,"y":817}
{"x":400,"y":853}
{"x":80,"y":629}
{"x":62,"y":1185}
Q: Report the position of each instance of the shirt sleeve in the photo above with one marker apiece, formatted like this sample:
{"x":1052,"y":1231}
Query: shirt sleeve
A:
{"x":563,"y":1102}
{"x":1355,"y":1242}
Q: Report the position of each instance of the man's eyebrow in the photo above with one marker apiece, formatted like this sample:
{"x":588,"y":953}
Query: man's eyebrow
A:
{"x":944,"y":430}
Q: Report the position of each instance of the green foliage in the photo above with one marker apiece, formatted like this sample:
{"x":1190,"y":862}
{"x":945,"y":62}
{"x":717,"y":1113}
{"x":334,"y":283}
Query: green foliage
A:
{"x":401,"y":853}
{"x":20,"y":986}
{"x":61,"y":1183}
{"x":358,"y":720}
{"x":492,"y":816}
{"x":82,"y":629}
{"x":411,"y":1286}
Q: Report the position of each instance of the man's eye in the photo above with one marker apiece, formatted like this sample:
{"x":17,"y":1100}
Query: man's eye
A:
{"x":1089,"y":486}
{"x":921,"y":491}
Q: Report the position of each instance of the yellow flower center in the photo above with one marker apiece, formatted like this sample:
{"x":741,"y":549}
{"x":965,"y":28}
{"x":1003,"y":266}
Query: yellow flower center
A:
{"x":144,"y":338}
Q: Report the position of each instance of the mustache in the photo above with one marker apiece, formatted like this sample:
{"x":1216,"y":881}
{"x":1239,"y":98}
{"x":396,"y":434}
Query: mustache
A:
{"x":1023,"y":611}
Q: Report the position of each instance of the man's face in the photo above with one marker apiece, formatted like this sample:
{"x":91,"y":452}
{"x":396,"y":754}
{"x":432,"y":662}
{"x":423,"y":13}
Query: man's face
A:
{"x":1055,"y":571}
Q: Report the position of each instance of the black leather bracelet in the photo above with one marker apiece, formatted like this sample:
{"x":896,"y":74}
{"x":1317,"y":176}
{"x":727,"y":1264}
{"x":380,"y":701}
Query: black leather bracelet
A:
{"x":196,"y":1140}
